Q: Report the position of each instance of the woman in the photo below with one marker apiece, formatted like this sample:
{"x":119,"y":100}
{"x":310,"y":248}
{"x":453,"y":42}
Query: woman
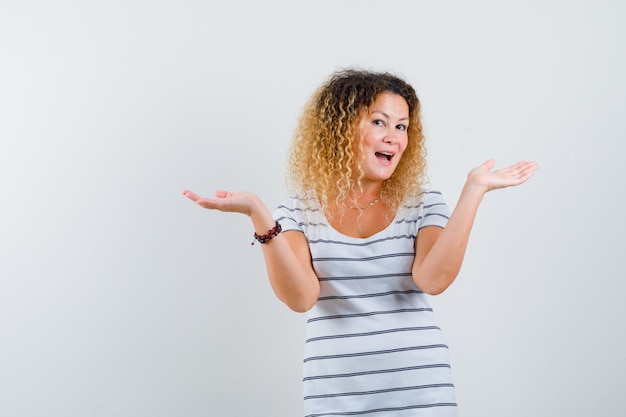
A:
{"x":362,"y":246}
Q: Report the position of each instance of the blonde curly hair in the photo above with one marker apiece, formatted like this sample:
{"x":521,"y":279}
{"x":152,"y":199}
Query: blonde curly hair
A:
{"x":321,"y":158}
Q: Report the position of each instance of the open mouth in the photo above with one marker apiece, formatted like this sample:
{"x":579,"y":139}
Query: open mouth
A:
{"x":384,"y":155}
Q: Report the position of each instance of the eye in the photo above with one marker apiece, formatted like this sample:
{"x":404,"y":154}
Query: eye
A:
{"x":378,"y":122}
{"x":402,"y":128}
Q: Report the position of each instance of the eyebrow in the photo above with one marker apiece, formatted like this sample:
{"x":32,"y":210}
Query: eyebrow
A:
{"x":387,"y":116}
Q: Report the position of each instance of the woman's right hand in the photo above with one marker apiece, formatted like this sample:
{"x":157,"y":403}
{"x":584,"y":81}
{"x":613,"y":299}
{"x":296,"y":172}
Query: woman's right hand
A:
{"x":235,"y":202}
{"x":287,"y":256}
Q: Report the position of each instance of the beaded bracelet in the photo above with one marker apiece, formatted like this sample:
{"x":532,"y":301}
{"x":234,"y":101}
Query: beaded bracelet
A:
{"x":269,"y":235}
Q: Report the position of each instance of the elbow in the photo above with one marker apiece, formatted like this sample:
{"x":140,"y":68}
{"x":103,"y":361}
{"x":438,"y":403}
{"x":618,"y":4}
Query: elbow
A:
{"x":300,"y":307}
{"x":434,"y":290}
{"x":435,"y":285}
{"x":302,"y":304}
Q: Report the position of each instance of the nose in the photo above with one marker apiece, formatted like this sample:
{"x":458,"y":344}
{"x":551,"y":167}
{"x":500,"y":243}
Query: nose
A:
{"x":390,"y":136}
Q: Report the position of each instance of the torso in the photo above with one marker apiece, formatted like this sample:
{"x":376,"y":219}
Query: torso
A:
{"x":372,"y":342}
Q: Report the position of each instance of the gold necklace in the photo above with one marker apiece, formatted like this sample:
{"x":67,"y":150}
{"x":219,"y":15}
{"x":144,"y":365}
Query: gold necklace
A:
{"x":364,"y":207}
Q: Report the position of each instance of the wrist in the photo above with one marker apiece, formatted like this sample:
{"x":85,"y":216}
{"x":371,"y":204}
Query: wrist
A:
{"x":475,"y":188}
{"x":269,"y":235}
{"x":261,"y":217}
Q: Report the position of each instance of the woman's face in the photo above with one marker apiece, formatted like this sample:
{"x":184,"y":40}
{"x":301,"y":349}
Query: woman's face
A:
{"x":383,"y":136}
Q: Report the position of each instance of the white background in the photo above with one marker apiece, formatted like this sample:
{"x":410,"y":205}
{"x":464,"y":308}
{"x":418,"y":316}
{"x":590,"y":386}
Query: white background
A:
{"x":119,"y":297}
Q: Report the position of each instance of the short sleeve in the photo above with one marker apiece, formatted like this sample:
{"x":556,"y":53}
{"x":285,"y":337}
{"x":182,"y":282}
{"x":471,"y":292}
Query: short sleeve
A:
{"x":288,"y":214}
{"x":435,"y":210}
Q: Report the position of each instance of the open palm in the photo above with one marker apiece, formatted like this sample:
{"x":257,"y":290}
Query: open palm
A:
{"x":236,"y":202}
{"x":490,"y":179}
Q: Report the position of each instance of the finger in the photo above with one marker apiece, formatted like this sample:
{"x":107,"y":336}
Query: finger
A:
{"x":222,"y":194}
{"x":192,"y":196}
{"x":520,"y":168}
{"x":208,"y":203}
{"x":525,"y":165}
{"x":523,"y":171}
{"x":533,"y":165}
{"x":528,"y":171}
{"x":526,"y":168}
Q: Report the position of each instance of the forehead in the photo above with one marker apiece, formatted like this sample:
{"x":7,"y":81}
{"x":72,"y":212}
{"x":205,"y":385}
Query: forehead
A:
{"x":390,"y":102}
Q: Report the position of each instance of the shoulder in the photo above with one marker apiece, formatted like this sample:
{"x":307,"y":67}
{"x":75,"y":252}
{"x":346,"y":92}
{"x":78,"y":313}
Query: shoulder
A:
{"x":432,"y":198}
{"x":423,"y":199}
{"x":435,"y":210}
{"x":426,"y":208}
{"x":297,"y":211}
{"x":297,"y":204}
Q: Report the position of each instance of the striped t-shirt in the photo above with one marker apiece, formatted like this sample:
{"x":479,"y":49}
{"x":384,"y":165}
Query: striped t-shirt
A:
{"x":372,"y":346}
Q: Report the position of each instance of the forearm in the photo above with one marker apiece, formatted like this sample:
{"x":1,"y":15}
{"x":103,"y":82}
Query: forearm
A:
{"x":441,"y":265}
{"x":291,"y":276}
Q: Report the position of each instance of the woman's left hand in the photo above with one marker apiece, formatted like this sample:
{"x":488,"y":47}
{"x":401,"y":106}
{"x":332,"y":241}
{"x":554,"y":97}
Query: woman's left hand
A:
{"x":488,"y":180}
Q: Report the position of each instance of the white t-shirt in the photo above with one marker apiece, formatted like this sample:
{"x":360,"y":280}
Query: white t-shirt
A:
{"x":372,"y":346}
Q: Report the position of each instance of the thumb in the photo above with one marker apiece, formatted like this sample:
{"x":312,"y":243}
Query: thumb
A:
{"x":221,"y":193}
{"x":489,"y":164}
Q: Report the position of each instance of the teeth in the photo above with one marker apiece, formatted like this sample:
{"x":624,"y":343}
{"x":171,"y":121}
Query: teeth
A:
{"x":387,"y":155}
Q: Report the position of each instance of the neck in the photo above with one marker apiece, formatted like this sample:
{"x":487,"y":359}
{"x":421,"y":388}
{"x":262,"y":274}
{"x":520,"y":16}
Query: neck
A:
{"x":364,"y":197}
{"x":366,"y":191}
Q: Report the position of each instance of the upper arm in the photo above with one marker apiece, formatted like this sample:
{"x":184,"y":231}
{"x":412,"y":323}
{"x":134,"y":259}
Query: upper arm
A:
{"x":424,"y":241}
{"x":300,"y":247}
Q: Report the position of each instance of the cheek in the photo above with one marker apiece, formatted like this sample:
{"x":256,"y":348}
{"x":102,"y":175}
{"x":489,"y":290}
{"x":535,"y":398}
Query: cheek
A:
{"x":403,"y":144}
